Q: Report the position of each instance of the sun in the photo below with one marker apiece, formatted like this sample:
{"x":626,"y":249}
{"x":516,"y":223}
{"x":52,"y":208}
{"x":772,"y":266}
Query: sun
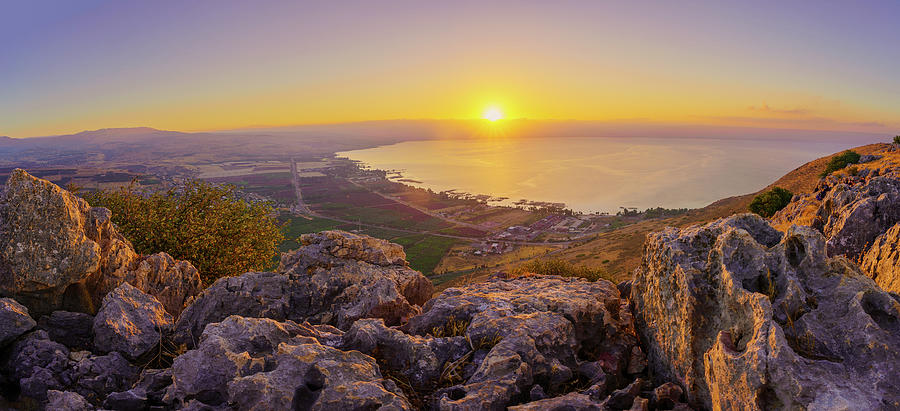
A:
{"x":492,"y":114}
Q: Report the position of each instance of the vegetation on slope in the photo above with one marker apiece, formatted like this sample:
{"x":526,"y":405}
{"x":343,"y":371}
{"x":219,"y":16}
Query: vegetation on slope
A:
{"x":204,"y":223}
{"x":768,"y":203}
{"x":840,"y":161}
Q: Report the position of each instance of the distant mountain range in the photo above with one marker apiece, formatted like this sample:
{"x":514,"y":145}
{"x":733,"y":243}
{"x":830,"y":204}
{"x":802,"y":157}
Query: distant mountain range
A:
{"x":148,"y":145}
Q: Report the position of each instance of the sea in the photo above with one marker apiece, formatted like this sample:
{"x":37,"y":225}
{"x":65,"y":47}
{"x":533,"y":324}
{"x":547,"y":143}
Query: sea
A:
{"x":596,"y":174}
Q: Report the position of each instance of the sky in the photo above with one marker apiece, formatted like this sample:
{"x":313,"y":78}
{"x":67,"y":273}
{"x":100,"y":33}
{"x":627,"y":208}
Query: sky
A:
{"x":67,"y":66}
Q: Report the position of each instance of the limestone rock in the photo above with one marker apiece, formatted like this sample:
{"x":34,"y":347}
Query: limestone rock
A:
{"x":421,"y":359}
{"x":14,"y":320}
{"x":851,"y":212}
{"x":667,"y":395}
{"x":318,"y":283}
{"x":571,"y":401}
{"x":39,"y":365}
{"x":130,"y":322}
{"x":357,"y":276}
{"x":261,"y":294}
{"x":742,"y":317}
{"x":74,"y":330}
{"x":172,"y":282}
{"x":51,"y":240}
{"x":59,"y":253}
{"x":259,"y":363}
{"x":67,"y":401}
{"x":522,"y":331}
{"x":318,"y":377}
{"x":882,"y":261}
{"x":341,"y":245}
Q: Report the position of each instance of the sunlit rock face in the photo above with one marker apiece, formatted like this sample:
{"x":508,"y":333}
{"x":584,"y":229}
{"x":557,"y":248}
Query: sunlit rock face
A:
{"x":743,"y":317}
{"x":59,"y":253}
{"x":882,"y":261}
{"x":858,"y":215}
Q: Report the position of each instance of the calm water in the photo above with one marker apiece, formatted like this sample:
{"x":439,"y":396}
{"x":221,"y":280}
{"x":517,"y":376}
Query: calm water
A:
{"x":597,"y":174}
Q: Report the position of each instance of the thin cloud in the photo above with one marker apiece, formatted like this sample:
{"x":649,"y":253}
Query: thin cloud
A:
{"x":765,"y":108}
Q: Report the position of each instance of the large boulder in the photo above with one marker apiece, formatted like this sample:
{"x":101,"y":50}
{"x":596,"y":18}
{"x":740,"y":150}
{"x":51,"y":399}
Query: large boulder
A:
{"x":882,"y":261}
{"x":14,"y":320}
{"x":490,"y":343}
{"x":321,"y":282}
{"x":59,"y":253}
{"x":52,"y":243}
{"x":130,"y":322}
{"x":743,"y":317}
{"x":262,"y":294}
{"x":259,"y":363}
{"x":358,"y":276}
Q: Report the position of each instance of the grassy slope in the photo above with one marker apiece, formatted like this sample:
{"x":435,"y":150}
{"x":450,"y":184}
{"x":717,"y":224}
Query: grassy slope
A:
{"x":623,"y":247}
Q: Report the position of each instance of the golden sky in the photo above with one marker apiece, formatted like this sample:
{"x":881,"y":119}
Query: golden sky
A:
{"x":210,"y":65}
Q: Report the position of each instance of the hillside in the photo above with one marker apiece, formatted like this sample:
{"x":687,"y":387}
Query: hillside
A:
{"x":622,"y":248}
{"x":767,"y":320}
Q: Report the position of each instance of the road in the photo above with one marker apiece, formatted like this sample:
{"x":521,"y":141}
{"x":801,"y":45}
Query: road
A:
{"x":295,"y":180}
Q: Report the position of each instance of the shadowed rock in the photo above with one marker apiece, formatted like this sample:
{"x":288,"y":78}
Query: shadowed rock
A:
{"x":741,"y":322}
{"x":14,"y":320}
{"x":39,"y":364}
{"x":74,"y":330}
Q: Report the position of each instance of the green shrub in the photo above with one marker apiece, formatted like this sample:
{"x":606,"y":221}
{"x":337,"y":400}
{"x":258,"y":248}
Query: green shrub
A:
{"x":896,"y":139}
{"x":561,"y":268}
{"x":840,"y":161}
{"x":768,"y":203}
{"x":204,"y":223}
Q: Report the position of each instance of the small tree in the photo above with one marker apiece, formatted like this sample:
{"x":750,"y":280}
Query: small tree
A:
{"x":206,"y":224}
{"x":896,"y":139}
{"x":840,"y":161}
{"x":770,"y":202}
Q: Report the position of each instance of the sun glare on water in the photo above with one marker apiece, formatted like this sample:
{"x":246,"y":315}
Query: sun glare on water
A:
{"x":492,"y":114}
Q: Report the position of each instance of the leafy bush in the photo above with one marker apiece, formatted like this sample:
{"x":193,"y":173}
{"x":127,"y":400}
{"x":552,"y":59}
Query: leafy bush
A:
{"x":561,"y":268}
{"x":206,"y":224}
{"x":896,"y":139}
{"x":768,"y":203}
{"x":840,"y":161}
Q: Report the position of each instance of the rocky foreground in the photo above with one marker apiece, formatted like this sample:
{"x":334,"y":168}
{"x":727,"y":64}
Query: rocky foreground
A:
{"x":731,"y":315}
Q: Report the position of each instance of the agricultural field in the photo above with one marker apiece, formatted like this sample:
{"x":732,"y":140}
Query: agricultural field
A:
{"x":339,"y":198}
{"x":276,"y":186}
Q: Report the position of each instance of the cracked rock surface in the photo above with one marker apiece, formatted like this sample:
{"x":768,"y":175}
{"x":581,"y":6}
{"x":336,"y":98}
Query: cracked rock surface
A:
{"x":741,"y":316}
